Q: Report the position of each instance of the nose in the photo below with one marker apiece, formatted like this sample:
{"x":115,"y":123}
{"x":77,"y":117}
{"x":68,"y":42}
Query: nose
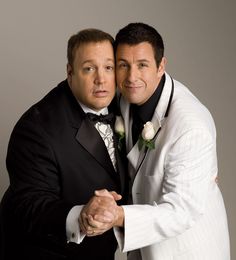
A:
{"x":132,"y":74}
{"x":100,"y":77}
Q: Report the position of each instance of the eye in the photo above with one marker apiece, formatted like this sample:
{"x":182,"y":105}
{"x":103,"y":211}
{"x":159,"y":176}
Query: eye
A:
{"x":122,"y":65}
{"x":88,"y":69}
{"x":142,"y":65}
{"x":109,"y":67}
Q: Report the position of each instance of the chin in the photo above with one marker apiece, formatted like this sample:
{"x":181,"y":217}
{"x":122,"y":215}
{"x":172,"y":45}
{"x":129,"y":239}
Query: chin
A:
{"x":132,"y":99}
{"x":101,"y":105}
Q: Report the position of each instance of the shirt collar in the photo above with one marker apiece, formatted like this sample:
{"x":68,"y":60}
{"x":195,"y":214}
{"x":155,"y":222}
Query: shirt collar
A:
{"x":86,"y":109}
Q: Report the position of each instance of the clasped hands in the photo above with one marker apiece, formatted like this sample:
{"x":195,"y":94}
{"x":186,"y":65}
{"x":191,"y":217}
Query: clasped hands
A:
{"x":101,"y":213}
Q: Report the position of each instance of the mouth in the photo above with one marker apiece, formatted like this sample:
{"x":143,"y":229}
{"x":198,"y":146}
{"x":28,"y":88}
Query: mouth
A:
{"x":100,"y":93}
{"x":132,"y":87}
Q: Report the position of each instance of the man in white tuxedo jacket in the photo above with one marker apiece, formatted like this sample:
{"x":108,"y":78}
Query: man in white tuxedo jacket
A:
{"x":178,"y":211}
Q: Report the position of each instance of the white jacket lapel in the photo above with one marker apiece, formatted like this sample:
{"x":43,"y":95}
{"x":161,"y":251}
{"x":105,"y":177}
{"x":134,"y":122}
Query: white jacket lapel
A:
{"x":163,"y":105}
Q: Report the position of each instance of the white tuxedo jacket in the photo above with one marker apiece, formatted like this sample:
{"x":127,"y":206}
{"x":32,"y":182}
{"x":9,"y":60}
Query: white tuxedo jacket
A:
{"x":178,"y":211}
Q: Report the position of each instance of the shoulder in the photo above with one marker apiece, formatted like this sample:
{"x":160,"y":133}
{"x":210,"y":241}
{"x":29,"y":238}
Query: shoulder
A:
{"x":46,"y":110}
{"x":187,"y":112}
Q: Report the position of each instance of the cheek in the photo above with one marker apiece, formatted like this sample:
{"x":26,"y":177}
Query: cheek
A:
{"x":119,"y":77}
{"x":83,"y":88}
{"x":112,"y":81}
{"x":152,"y":81}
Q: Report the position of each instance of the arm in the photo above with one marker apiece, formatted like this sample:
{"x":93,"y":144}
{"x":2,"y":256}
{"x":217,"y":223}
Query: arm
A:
{"x":189,"y":170}
{"x":35,"y":181}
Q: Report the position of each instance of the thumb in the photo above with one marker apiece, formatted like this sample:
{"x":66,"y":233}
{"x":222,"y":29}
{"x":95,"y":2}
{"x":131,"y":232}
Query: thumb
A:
{"x":105,"y":193}
{"x":115,"y":195}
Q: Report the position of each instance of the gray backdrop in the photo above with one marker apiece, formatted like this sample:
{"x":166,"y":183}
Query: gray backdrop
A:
{"x":200,"y":47}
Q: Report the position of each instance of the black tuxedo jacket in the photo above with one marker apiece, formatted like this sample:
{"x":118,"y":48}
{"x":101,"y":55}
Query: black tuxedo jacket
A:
{"x":56,"y":159}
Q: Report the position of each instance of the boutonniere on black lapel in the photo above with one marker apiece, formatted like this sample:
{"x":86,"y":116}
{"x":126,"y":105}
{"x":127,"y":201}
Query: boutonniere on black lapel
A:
{"x":120,"y":131}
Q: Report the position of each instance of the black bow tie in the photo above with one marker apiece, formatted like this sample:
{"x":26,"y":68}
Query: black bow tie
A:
{"x":105,"y":119}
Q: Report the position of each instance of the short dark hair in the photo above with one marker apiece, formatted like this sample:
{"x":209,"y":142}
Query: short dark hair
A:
{"x":85,"y":36}
{"x":135,"y":33}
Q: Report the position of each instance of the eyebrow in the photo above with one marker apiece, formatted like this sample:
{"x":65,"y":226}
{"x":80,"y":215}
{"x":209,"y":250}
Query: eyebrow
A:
{"x":91,"y":61}
{"x":141,"y":60}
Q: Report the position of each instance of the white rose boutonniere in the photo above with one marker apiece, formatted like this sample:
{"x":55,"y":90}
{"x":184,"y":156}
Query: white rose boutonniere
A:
{"x":120,"y":130}
{"x":147,"y":135}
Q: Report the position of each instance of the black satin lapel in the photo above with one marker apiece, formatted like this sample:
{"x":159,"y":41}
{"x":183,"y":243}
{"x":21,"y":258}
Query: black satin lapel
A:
{"x":171,"y":97}
{"x":122,"y":166}
{"x":91,"y":140}
{"x":141,"y":160}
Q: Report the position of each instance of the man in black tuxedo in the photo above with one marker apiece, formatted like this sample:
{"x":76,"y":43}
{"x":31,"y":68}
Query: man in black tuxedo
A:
{"x":57,"y":157}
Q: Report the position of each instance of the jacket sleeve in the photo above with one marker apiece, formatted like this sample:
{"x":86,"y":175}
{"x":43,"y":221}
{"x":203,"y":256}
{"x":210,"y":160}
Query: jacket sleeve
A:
{"x":35,"y":181}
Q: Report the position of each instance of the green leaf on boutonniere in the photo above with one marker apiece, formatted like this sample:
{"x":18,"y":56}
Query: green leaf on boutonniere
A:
{"x":121,"y":137}
{"x":147,"y":143}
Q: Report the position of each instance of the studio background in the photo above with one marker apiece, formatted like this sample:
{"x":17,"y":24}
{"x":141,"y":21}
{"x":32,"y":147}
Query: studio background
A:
{"x":200,"y":46}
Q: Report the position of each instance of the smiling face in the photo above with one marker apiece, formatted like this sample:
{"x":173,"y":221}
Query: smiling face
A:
{"x":92,"y":77}
{"x":137,"y":73}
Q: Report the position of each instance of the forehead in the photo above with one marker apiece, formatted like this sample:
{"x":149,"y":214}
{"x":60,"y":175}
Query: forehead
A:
{"x":94,"y":51}
{"x":141,"y":51}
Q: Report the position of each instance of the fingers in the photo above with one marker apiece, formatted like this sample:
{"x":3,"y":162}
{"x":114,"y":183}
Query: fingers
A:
{"x":99,"y":214}
{"x":102,"y":193}
{"x":96,"y":233}
{"x":95,"y":224}
{"x":106,"y":193}
{"x":94,"y":228}
{"x":105,"y":215}
{"x":83,"y":223}
{"x":88,"y":225}
{"x":116,"y":196}
{"x":102,"y":210}
{"x":103,"y":207}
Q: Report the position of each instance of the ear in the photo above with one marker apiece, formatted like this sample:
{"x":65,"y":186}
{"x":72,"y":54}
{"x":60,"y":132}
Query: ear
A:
{"x":69,"y":71}
{"x":162,"y":67}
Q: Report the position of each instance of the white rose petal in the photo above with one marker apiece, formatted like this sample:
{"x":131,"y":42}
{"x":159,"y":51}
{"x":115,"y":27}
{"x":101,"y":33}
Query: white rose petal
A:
{"x":119,"y":125}
{"x":148,"y":131}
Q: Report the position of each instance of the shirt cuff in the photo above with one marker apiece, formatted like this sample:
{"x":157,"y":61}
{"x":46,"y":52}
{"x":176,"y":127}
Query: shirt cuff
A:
{"x":73,"y":232}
